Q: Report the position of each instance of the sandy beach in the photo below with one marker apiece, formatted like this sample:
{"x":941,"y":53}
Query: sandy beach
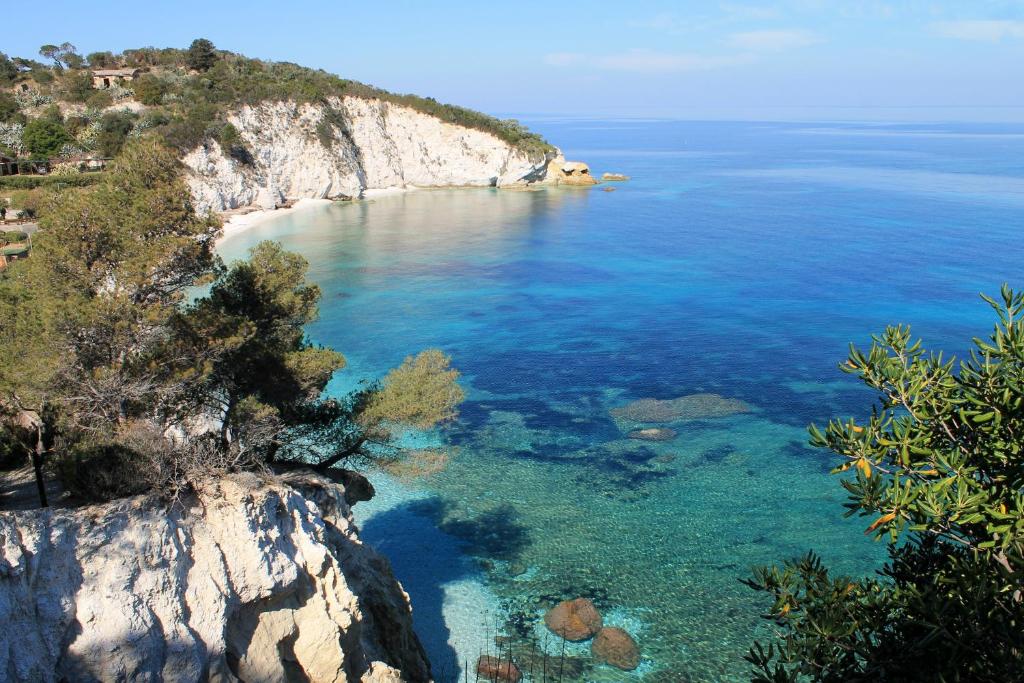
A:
{"x":235,"y":223}
{"x":239,"y":220}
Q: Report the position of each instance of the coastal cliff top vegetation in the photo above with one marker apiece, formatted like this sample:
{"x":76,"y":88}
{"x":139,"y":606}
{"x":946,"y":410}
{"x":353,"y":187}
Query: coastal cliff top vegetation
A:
{"x":54,"y":108}
{"x":117,"y":378}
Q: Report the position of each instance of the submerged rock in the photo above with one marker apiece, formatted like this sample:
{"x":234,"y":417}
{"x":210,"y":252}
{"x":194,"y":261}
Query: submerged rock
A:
{"x":574,"y":620}
{"x":654,"y":434}
{"x":498,"y":670}
{"x":692,"y":407}
{"x":614,"y":646}
{"x":517,"y":569}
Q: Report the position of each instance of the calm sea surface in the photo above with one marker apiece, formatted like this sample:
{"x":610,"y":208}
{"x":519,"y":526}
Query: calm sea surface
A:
{"x":740,"y":261}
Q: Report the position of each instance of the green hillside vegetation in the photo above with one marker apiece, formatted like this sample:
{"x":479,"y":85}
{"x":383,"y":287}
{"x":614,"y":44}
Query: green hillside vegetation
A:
{"x":187,"y":95}
{"x":117,"y":378}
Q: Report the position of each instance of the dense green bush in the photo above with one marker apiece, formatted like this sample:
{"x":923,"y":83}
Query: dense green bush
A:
{"x":44,"y":138}
{"x":11,"y":455}
{"x":149,"y":90}
{"x":937,"y":472}
{"x":99,"y":99}
{"x":230,"y":140}
{"x":104,"y":471}
{"x":8,"y":107}
{"x":114,"y":129}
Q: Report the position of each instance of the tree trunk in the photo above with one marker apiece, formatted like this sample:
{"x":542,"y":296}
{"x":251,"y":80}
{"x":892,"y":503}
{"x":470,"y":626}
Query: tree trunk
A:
{"x":37,"y":465}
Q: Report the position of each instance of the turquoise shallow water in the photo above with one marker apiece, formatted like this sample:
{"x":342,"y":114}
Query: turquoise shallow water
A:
{"x":739,"y":261}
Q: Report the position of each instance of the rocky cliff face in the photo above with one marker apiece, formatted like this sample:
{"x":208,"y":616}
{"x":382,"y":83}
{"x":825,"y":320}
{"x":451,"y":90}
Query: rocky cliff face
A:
{"x":247,"y":581}
{"x":346,"y":146}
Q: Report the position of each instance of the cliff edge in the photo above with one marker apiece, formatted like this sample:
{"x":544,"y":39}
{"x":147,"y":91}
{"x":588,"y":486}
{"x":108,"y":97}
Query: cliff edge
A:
{"x":344,"y":146}
{"x":247,"y":580}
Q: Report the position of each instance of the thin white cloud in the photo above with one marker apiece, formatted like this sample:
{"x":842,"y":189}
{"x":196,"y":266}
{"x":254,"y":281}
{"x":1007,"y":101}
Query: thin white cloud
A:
{"x":773,"y":41}
{"x":984,"y":30}
{"x":646,"y":61}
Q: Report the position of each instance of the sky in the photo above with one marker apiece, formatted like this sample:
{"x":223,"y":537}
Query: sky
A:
{"x":914,"y":60}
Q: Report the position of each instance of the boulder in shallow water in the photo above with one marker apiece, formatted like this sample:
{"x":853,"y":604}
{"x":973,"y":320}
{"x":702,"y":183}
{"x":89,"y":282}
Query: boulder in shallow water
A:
{"x":496,"y":669}
{"x":692,"y":407}
{"x":574,"y":620}
{"x":614,"y":646}
{"x":654,"y":434}
{"x":614,"y":177}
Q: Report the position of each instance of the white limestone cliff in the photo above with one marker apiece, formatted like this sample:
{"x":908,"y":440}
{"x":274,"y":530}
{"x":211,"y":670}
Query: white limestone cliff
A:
{"x":345,"y":147}
{"x":249,"y":580}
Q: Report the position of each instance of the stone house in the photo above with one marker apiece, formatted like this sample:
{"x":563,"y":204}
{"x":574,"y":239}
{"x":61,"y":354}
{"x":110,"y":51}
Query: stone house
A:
{"x":106,"y":78}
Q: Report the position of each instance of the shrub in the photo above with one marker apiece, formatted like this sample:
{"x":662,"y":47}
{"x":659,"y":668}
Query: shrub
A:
{"x":149,"y":90}
{"x":8,"y":107}
{"x":120,"y":92}
{"x":65,"y":169}
{"x":99,"y":99}
{"x":113,"y":131}
{"x":231,"y":142}
{"x":44,"y":138}
{"x":28,"y":182}
{"x":936,"y":467}
{"x":140,"y":459}
{"x":13,"y":236}
{"x":15,"y":199}
{"x":32,"y":98}
{"x":153,"y":119}
{"x":12,"y":136}
{"x":75,"y":125}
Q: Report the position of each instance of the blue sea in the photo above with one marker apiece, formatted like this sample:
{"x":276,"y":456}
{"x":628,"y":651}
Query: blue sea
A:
{"x":739,"y":262}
